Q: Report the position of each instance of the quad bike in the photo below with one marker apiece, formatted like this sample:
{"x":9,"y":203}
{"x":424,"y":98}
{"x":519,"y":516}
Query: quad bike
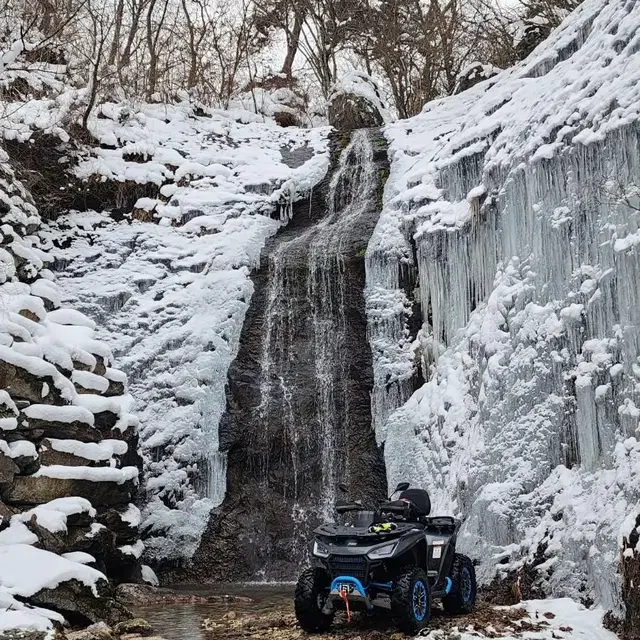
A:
{"x":396,"y":558}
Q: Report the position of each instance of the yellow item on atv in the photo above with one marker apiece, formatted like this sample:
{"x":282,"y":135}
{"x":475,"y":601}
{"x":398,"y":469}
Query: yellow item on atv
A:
{"x":383,"y":527}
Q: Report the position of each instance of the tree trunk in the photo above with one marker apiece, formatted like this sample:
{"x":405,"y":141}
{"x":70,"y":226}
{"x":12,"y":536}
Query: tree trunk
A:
{"x":293,"y":42}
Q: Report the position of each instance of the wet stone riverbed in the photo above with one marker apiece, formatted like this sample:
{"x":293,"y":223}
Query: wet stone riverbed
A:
{"x":261,"y":612}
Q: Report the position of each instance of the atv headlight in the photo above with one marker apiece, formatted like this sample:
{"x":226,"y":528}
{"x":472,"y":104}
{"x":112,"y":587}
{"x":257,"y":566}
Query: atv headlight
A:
{"x":383,"y":551}
{"x":320,"y":549}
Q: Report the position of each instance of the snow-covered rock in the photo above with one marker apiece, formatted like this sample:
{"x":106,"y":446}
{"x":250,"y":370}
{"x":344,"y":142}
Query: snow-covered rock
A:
{"x":51,"y":372}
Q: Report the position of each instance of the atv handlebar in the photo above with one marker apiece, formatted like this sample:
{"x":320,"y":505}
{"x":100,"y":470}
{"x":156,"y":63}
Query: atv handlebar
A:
{"x":393,"y":508}
{"x":346,"y":508}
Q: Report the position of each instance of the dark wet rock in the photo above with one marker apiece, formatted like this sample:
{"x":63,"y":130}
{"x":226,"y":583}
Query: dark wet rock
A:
{"x":296,"y":157}
{"x":286,"y":119}
{"x":8,"y":469}
{"x":78,"y":604}
{"x":27,"y":465}
{"x":40,"y":489}
{"x":112,"y":519}
{"x":349,"y":111}
{"x":355,"y":103}
{"x":20,"y":383}
{"x":115,"y":388}
{"x":35,"y":428}
{"x":630,"y":570}
{"x":473,"y":74}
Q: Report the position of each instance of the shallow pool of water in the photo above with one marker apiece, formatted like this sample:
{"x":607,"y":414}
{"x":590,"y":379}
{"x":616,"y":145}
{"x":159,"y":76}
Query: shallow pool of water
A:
{"x":183,"y":621}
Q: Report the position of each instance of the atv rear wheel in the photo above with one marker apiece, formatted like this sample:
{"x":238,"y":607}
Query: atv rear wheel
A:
{"x":310,"y":597}
{"x":462,"y":597}
{"x":411,"y":600}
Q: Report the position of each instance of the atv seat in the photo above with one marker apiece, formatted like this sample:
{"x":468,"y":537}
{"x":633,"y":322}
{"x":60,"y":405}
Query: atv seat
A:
{"x":440,"y":524}
{"x":419,"y":499}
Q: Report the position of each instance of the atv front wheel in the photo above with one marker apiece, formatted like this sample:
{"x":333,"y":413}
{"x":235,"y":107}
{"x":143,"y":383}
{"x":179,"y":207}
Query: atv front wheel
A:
{"x":462,"y":597}
{"x":309,"y":600}
{"x":411,"y":600}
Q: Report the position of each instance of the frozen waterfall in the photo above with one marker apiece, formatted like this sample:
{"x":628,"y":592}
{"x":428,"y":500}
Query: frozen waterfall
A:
{"x":299,"y":416}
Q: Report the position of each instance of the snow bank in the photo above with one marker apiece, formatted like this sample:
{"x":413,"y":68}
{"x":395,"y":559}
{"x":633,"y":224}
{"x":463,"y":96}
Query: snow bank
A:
{"x":92,"y":474}
{"x":25,"y":570}
{"x":95,"y":451}
{"x":504,"y":212}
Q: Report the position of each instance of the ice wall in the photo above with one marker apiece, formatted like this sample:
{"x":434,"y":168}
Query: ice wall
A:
{"x":514,"y":207}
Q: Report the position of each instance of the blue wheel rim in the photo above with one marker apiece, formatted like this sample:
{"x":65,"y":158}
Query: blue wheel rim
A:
{"x":466,"y":585}
{"x":419,"y":600}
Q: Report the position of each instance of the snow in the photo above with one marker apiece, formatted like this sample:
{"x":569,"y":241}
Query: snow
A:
{"x":8,"y":424}
{"x":136,"y":550}
{"x":80,"y":557}
{"x":53,"y":515}
{"x":65,"y":414}
{"x":47,"y":290}
{"x":149,"y":576}
{"x":25,"y":570}
{"x":18,"y":615}
{"x":92,"y":474}
{"x":94,"y":451}
{"x":132,"y":516}
{"x":89,"y":380}
{"x":38,"y":367}
{"x":22,"y":449}
{"x":529,"y":306}
{"x":17,"y":533}
{"x":115,"y":376}
{"x":71,"y":317}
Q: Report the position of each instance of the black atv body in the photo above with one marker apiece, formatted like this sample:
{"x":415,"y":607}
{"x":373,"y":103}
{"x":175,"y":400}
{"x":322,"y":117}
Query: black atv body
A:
{"x":400,"y":560}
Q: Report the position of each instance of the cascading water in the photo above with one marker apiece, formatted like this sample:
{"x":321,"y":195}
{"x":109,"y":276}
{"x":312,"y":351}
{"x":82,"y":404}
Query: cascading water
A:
{"x":321,"y":292}
{"x":299,"y":415}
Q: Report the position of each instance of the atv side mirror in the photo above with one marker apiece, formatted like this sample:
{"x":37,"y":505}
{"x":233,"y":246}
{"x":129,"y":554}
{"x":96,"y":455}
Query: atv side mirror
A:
{"x":343,"y":487}
{"x":402,"y":486}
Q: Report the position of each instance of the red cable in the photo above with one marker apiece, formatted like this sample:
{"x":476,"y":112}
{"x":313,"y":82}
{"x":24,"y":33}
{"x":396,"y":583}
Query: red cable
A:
{"x":345,"y":598}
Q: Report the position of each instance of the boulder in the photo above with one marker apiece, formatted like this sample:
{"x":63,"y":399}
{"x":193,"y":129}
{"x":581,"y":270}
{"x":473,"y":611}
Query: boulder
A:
{"x":72,"y":430}
{"x":138,"y":626}
{"x":123,"y":567}
{"x":98,"y":631}
{"x":78,"y":604}
{"x":27,"y":465}
{"x":116,"y":388}
{"x":355,"y":103}
{"x":40,"y":489}
{"x":98,"y":542}
{"x":472,"y":74}
{"x":22,"y":384}
{"x":112,"y":519}
{"x":8,"y":469}
{"x":54,"y":542}
{"x":49,"y":456}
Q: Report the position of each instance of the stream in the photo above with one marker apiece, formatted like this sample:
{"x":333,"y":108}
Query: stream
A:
{"x":185,"y":620}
